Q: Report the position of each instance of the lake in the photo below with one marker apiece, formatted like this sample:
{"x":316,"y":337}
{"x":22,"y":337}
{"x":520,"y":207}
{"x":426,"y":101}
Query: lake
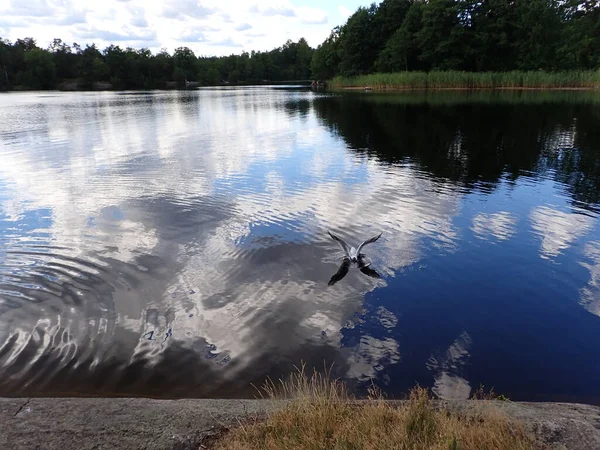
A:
{"x":174,"y":244}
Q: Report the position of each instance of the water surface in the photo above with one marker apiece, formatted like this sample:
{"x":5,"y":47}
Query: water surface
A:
{"x":175,"y":244}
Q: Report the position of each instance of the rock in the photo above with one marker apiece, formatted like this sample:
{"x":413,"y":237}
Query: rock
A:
{"x":116,"y":423}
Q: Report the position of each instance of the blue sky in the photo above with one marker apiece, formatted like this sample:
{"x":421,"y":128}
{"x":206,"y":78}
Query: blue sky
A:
{"x":209,"y":27}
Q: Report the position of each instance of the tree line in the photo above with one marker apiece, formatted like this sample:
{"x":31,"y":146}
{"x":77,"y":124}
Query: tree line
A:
{"x":467,"y":35}
{"x":392,"y":36}
{"x":25,"y":65}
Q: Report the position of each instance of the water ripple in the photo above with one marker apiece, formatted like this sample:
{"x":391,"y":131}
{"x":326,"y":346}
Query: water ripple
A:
{"x":174,"y":244}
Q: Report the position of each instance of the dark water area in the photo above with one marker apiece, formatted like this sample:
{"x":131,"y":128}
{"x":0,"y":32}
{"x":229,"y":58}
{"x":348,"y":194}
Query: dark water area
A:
{"x":174,"y":244}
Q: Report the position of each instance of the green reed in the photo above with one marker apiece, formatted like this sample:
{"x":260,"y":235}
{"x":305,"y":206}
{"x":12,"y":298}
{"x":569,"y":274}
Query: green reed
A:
{"x":472,"y":80}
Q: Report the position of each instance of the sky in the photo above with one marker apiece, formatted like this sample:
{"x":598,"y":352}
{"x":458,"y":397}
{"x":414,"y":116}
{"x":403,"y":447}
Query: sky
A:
{"x":208,"y":27}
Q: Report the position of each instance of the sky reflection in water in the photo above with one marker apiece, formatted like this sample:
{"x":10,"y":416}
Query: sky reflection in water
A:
{"x":174,"y":243}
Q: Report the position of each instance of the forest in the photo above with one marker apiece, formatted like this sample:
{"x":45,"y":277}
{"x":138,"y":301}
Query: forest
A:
{"x":463,"y":35}
{"x":391,"y":36}
{"x":25,"y":65}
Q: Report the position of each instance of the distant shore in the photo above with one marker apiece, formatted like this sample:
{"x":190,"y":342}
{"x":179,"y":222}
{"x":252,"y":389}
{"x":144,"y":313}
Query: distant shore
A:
{"x":409,"y":89}
{"x":76,"y":86}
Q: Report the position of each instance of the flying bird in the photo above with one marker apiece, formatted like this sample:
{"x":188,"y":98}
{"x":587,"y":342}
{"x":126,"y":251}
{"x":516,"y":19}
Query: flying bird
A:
{"x":354,"y":254}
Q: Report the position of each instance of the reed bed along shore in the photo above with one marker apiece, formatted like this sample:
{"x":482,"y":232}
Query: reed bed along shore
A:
{"x":471,"y":80}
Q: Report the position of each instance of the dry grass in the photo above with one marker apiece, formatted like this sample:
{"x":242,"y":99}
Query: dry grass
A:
{"x":321,"y":415}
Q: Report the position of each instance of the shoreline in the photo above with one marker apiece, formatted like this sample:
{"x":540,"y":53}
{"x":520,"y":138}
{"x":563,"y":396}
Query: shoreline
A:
{"x":126,"y":423}
{"x":514,"y":80}
{"x":192,"y":86}
{"x":464,"y":89}
{"x":330,"y":88}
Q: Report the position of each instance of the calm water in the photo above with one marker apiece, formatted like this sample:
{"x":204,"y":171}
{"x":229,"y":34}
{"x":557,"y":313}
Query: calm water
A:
{"x":175,"y":243}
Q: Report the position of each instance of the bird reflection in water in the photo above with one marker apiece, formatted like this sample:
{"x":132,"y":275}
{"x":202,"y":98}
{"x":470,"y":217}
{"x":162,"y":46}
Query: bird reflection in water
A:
{"x":364,"y":265}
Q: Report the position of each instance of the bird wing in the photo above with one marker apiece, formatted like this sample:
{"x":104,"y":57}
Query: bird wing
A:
{"x":341,"y":242}
{"x":341,"y":273}
{"x":368,"y":241}
{"x":370,"y":272}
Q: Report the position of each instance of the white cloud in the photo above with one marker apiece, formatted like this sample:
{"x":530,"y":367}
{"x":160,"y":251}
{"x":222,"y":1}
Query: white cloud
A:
{"x":386,"y":318}
{"x":73,"y":17}
{"x":224,"y":24}
{"x":138,"y":17}
{"x":112,"y":36}
{"x":371,"y":356}
{"x":227,"y":43}
{"x":243,"y":27}
{"x":43,"y":12}
{"x":558,"y":229}
{"x":447,"y":369}
{"x":225,"y":17}
{"x":182,"y":9}
{"x":193,"y":36}
{"x":590,"y":295}
{"x":31,"y":8}
{"x":316,"y":20}
{"x":272,"y":10}
{"x":344,"y":11}
{"x":139,"y":21}
{"x":499,"y":225}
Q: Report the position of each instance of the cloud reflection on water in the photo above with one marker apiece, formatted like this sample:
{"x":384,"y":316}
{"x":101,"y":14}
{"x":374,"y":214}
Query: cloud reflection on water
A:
{"x":590,"y":294}
{"x":175,"y":244}
{"x":160,"y":193}
{"x":448,"y":368}
{"x":558,"y":229}
{"x":499,"y":225}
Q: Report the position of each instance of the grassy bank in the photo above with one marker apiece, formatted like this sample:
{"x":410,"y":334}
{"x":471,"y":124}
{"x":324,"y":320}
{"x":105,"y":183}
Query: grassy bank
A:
{"x":321,"y":415}
{"x":471,"y":80}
